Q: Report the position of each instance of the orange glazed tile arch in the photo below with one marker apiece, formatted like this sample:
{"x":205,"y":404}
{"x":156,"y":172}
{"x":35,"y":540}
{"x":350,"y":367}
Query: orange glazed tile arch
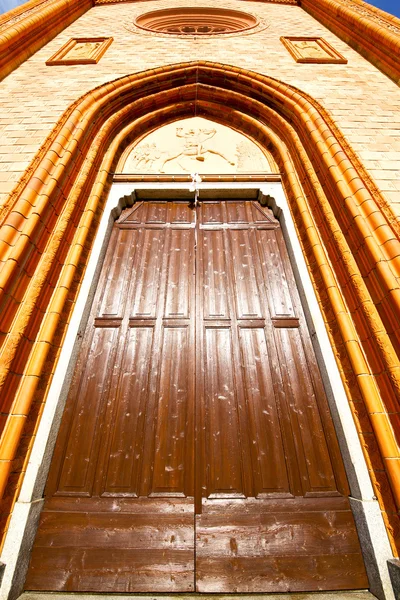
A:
{"x":54,"y":211}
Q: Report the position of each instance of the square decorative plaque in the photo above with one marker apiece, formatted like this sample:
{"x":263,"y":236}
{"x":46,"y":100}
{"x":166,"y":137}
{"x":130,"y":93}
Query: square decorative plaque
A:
{"x":80,"y":51}
{"x":312,"y":50}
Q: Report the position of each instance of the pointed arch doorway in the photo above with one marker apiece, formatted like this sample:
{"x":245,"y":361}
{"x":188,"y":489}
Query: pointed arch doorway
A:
{"x":272,"y":112}
{"x":196,"y":451}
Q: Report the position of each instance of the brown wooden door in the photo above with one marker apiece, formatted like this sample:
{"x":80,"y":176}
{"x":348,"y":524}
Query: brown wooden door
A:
{"x":196,"y":452}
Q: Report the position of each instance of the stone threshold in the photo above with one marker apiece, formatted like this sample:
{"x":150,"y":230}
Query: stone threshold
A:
{"x":343,"y":595}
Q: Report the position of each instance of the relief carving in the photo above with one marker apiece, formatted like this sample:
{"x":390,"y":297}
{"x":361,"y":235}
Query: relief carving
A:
{"x":82,"y":50}
{"x":144,"y":157}
{"x":311,"y":49}
{"x":195,"y":146}
{"x":249,"y":157}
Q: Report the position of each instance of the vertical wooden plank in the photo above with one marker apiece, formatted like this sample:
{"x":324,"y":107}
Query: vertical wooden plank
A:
{"x":306,"y":422}
{"x":146,"y":291}
{"x":274,"y":274}
{"x":224,"y":462}
{"x":214,"y":288}
{"x":173,"y":436}
{"x":179,"y":284}
{"x":117,"y":281}
{"x":180,"y":212}
{"x":126,"y":421}
{"x":211,"y":213}
{"x":236,"y":212}
{"x":265,"y":428}
{"x":77,"y":468}
{"x":156,"y":212}
{"x":246,"y":290}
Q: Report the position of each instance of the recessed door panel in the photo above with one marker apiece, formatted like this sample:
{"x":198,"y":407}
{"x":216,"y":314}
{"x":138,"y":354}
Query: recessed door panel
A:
{"x":264,"y":416}
{"x":125,"y":454}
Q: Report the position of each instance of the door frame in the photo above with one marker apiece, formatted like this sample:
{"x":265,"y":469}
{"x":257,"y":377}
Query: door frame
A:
{"x":367,"y":514}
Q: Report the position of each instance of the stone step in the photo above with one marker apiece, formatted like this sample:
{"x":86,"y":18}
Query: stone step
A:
{"x":345,"y":595}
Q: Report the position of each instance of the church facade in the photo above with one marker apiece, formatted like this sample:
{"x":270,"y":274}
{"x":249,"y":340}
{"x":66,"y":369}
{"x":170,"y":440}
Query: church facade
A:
{"x":200,"y":297}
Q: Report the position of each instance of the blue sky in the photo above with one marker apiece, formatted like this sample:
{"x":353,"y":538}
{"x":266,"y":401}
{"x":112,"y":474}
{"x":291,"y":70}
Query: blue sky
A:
{"x":6,"y":5}
{"x":391,"y":6}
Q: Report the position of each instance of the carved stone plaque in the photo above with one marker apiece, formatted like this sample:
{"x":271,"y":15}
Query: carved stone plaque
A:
{"x":195,"y":145}
{"x":312,"y":50}
{"x":80,"y":51}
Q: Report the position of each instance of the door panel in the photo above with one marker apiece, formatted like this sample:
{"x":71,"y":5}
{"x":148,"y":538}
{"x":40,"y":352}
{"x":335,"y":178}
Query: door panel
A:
{"x":102,"y":549}
{"x":221,"y":426}
{"x":196,"y":451}
{"x":245,"y":289}
{"x":312,"y":451}
{"x":171,"y":415}
{"x":214,"y":287}
{"x":125,"y":450}
{"x":78,"y":468}
{"x":127,"y":433}
{"x":268,"y":451}
{"x":280,"y":545}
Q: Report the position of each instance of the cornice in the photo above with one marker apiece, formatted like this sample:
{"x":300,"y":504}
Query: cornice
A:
{"x":370,"y":31}
{"x":21,"y":12}
{"x":380,"y":17}
{"x":26,"y":29}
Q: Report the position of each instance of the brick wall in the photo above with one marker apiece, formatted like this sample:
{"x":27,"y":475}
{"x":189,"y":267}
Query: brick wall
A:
{"x":363,"y":101}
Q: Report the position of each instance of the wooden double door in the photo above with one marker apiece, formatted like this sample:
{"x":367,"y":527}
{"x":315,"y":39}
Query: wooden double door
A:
{"x":196,"y":452}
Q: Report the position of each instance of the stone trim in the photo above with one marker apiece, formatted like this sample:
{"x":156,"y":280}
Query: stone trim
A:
{"x":394,"y":572}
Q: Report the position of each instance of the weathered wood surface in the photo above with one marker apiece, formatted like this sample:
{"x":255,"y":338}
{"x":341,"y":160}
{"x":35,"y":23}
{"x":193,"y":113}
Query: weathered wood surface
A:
{"x":196,"y":451}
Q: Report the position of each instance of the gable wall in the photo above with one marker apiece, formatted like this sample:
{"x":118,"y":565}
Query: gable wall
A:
{"x":363,"y":101}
